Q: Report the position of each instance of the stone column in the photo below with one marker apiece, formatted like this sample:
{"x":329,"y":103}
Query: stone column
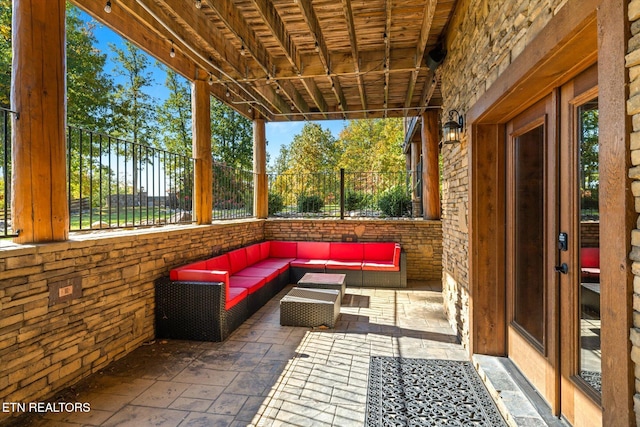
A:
{"x":430,"y":167}
{"x":260,"y":195}
{"x":40,"y":210}
{"x":203,"y":169}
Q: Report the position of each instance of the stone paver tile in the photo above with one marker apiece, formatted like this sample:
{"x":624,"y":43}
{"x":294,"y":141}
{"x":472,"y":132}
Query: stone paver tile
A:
{"x":251,"y":409}
{"x":200,"y":391}
{"x":349,"y":416}
{"x":247,"y":335}
{"x":228,"y":404}
{"x":106,"y":402}
{"x":197,"y":419}
{"x":281,"y":352}
{"x":349,"y":395}
{"x":191,"y":404}
{"x":250,"y":383}
{"x":275,"y":367}
{"x":255,"y":348}
{"x":161,"y":394}
{"x":317,"y":391}
{"x":195,"y":375}
{"x":247,"y":362}
{"x":305,"y":413}
{"x":93,"y":417}
{"x":145,"y":416}
{"x":120,"y":385}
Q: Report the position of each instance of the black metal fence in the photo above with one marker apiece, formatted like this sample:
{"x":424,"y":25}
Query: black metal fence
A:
{"x":232,"y":192}
{"x":5,"y":174}
{"x":115,"y":183}
{"x":341,"y":194}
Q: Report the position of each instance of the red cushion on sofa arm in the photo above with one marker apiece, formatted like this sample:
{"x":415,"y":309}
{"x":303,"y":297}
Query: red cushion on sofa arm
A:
{"x":188,"y":275}
{"x":340,"y":251}
{"x":200,"y":265}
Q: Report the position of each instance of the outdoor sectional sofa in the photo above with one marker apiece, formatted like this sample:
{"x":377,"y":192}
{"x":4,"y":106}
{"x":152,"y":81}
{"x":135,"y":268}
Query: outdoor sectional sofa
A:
{"x":207,"y":300}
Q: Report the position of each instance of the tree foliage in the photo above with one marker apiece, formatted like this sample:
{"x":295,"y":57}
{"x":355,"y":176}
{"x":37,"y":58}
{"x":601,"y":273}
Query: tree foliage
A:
{"x":313,"y":150}
{"x":232,"y":136}
{"x":134,"y":112}
{"x":372,"y":145}
{"x":174,"y":116}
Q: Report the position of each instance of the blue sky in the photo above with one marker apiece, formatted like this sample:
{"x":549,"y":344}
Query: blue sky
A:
{"x":277,"y":133}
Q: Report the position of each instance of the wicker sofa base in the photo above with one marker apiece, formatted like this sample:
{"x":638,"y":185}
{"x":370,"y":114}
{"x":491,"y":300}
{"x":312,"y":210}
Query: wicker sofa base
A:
{"x":195,"y":311}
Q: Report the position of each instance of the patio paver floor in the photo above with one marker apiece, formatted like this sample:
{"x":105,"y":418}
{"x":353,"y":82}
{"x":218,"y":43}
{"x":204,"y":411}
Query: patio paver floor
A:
{"x":265,"y":374}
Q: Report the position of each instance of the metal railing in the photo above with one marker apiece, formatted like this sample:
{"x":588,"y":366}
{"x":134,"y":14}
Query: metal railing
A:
{"x":341,"y":194}
{"x":232,"y":192}
{"x":114,"y":183}
{"x":5,"y":174}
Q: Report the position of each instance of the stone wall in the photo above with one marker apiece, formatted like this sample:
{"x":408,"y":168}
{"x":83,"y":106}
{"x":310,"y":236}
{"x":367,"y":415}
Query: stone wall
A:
{"x":633,"y":109}
{"x":46,"y":346}
{"x":484,"y":38}
{"x":421,"y":240}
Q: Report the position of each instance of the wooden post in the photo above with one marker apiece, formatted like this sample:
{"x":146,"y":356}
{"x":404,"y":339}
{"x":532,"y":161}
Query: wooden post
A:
{"x":415,"y":161}
{"x":203,"y":171}
{"x":430,"y":167}
{"x":40,"y":210}
{"x":260,"y":195}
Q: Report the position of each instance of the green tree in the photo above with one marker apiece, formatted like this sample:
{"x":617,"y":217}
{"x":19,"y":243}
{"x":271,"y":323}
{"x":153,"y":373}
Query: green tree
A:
{"x":372,"y":145}
{"x":134,"y":109}
{"x":232,"y":137}
{"x":5,"y":52}
{"x":89,"y":88}
{"x":313,"y":150}
{"x":174,"y":115}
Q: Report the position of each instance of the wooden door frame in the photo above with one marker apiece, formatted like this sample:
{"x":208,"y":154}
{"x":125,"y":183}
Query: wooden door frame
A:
{"x":574,"y":39}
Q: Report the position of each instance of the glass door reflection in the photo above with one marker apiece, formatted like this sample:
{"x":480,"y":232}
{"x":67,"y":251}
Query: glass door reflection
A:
{"x":590,"y":350}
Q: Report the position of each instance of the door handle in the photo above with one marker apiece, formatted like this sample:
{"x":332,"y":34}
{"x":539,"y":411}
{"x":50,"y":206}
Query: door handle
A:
{"x":564,"y":268}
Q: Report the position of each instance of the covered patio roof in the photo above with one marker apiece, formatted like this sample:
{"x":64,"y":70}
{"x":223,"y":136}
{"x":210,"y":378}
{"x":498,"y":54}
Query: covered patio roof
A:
{"x":284,"y":60}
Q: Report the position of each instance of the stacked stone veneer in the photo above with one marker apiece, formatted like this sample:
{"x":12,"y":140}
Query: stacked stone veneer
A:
{"x":44,"y":347}
{"x":484,"y":38}
{"x":421,"y":240}
{"x":633,"y":109}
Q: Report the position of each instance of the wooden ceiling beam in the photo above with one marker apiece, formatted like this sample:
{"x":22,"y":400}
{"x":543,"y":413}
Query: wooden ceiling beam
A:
{"x":425,"y":29}
{"x":353,"y":41}
{"x":272,"y":19}
{"x":149,"y":12}
{"x":316,"y":95}
{"x":232,"y":19}
{"x":312,"y":22}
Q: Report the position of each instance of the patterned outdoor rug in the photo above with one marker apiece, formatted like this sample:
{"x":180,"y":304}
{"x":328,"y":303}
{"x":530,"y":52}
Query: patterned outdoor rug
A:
{"x":425,"y":392}
{"x":593,"y":378}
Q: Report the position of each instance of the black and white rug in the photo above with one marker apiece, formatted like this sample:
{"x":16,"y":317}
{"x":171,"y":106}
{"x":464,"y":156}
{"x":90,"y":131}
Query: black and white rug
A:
{"x":427,"y":392}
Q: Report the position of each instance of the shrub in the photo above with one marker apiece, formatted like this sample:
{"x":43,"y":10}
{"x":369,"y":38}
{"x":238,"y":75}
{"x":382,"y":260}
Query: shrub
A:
{"x":354,"y":200}
{"x":311,"y":203}
{"x":395,"y":202}
{"x":276,"y":203}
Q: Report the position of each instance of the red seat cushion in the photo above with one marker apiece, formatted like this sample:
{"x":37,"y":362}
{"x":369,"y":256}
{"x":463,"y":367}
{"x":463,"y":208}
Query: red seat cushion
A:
{"x":266,"y":273}
{"x":344,"y":265}
{"x":379,"y":266}
{"x":234,"y":296}
{"x":251,"y":284}
{"x":282,"y":264}
{"x":237,"y":260}
{"x":346,"y":251}
{"x":308,"y":263}
{"x":253,"y":254}
{"x":189,"y":275}
{"x":278,"y":249}
{"x":313,"y":250}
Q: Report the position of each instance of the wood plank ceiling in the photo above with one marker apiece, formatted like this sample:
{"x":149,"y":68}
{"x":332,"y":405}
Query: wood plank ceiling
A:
{"x":295,"y":59}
